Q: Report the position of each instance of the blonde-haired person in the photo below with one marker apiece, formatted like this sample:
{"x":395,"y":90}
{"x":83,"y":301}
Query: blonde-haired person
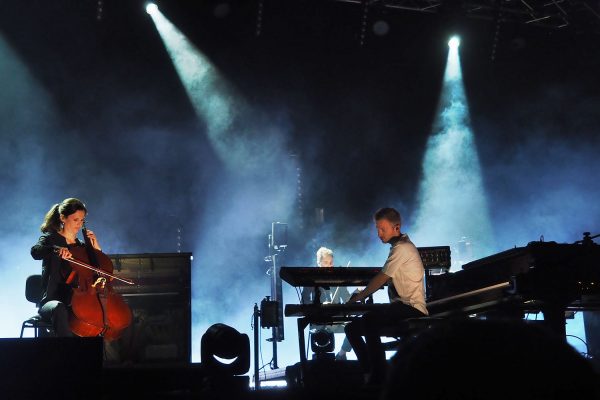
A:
{"x":324,"y":257}
{"x":324,"y":260}
{"x":338,"y":295}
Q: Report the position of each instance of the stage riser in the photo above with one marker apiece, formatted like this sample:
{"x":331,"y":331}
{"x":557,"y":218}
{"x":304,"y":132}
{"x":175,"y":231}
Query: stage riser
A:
{"x":68,"y":367}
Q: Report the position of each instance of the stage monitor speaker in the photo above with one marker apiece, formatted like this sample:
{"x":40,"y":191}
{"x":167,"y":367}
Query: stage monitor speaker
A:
{"x":325,"y":375}
{"x":64,"y":368}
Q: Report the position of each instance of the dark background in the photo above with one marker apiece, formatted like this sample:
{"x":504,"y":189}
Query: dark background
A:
{"x":91,"y":107}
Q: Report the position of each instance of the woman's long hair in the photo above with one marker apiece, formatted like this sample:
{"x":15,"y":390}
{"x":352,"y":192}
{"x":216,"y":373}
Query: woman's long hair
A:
{"x":68,"y":206}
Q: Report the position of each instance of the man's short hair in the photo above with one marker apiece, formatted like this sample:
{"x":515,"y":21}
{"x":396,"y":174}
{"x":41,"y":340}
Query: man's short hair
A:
{"x":390,"y":214}
{"x":322,"y":252}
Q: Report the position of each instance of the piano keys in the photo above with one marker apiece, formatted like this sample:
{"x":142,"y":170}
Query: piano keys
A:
{"x":330,"y":311}
{"x":326,"y":277}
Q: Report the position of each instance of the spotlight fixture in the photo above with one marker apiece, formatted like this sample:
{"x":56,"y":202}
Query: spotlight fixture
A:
{"x":222,"y":9}
{"x":224,"y":351}
{"x":381,"y":28}
{"x":151,"y":8}
{"x":454,"y":42}
{"x":322,"y":341}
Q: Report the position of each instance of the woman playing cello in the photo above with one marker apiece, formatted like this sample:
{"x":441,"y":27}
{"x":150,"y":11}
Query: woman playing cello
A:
{"x":60,"y":228}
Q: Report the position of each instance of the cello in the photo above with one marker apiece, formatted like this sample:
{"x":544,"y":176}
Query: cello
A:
{"x":96,"y":310}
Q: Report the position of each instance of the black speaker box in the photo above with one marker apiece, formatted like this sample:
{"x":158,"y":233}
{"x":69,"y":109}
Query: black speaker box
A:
{"x":326,"y":375}
{"x":49,"y":368}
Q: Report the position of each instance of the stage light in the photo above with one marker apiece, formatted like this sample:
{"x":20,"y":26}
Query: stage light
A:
{"x":224,"y":351}
{"x":216,"y":103}
{"x":452,"y":194}
{"x":454,"y":42}
{"x":222,"y":10}
{"x":322,"y":341}
{"x":151,"y":8}
{"x":381,"y":28}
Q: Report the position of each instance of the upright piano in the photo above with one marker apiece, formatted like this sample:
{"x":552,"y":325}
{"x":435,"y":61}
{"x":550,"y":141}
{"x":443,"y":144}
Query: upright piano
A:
{"x":160,"y":301}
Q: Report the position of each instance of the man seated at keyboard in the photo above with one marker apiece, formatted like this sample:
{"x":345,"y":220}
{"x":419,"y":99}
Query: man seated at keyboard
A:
{"x":337,"y":295}
{"x":406,"y":292}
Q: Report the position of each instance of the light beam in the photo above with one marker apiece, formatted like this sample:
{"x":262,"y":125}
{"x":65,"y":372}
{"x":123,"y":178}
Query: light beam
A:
{"x":452,"y":204}
{"x":256,"y":185}
{"x":214,"y":101}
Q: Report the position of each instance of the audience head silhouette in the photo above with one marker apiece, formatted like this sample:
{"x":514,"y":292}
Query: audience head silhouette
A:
{"x":478,"y":359}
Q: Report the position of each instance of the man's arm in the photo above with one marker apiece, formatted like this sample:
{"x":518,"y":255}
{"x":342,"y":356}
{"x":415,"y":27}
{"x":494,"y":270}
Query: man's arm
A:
{"x":376,"y":282}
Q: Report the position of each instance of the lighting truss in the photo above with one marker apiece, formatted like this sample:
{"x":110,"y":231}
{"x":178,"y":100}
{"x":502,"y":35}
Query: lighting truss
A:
{"x":553,"y":14}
